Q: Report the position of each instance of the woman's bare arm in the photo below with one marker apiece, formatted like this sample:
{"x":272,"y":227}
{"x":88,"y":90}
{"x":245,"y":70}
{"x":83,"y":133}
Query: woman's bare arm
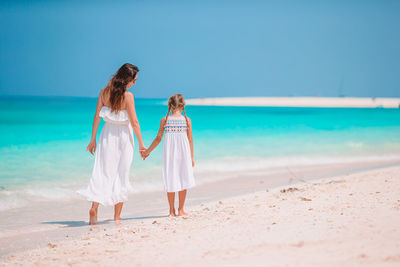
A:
{"x":130,"y":104}
{"x":158,"y":138}
{"x":190,"y":137}
{"x":96,"y":121}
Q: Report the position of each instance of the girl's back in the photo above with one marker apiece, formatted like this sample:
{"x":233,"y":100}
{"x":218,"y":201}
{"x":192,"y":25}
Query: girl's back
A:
{"x":175,"y":124}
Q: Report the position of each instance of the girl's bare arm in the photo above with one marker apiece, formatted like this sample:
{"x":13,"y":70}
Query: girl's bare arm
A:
{"x":130,"y":104}
{"x":190,"y":137}
{"x":158,"y":138}
{"x":96,"y":121}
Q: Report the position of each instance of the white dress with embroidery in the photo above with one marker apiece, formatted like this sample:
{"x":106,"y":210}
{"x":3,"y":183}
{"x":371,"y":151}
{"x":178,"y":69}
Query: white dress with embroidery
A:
{"x":109,"y":183}
{"x":177,"y":163}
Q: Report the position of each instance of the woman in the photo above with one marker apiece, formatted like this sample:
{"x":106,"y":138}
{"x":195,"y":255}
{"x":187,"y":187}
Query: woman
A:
{"x":109,"y":184}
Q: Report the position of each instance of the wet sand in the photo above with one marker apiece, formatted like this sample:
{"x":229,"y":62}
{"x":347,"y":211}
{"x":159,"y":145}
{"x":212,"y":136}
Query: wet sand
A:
{"x":350,"y":219}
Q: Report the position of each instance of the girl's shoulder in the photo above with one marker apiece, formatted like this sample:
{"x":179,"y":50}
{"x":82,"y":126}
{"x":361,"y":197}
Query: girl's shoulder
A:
{"x":170,"y":117}
{"x":187,"y":118}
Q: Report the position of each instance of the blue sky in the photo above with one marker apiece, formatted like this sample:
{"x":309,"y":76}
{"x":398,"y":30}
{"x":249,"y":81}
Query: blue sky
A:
{"x":202,"y":48}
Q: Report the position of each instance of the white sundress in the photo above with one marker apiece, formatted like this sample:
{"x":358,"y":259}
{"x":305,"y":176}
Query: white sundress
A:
{"x":177,"y":169}
{"x":109,"y":183}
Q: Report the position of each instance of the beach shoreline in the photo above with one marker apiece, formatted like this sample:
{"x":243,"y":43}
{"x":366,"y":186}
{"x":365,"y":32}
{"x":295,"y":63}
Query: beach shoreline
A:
{"x":321,"y":102}
{"x":75,"y":229}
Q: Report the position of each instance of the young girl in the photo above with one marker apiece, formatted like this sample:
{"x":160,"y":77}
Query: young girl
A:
{"x":178,"y":159}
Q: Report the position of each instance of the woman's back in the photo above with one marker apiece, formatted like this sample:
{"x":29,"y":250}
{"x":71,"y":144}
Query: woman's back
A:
{"x":105,"y":99}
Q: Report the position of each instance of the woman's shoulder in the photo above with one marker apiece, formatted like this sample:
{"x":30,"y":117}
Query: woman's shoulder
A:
{"x":102,"y":93}
{"x":104,"y":90}
{"x":127,"y":93}
{"x":128,"y":97}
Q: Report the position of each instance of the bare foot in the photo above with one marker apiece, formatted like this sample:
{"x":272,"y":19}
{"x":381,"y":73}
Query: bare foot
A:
{"x":92,"y":216}
{"x":118,"y":222}
{"x":181,"y":213}
{"x":172,"y":213}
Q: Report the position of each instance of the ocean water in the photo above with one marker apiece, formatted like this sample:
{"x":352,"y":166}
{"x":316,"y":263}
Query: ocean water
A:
{"x":43,"y":142}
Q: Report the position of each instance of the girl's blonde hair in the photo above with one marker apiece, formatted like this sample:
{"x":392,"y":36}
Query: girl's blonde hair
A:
{"x":174,"y":102}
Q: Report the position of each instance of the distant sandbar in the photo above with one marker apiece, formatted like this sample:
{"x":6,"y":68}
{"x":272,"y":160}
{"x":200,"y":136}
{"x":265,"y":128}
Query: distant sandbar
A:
{"x":328,"y":102}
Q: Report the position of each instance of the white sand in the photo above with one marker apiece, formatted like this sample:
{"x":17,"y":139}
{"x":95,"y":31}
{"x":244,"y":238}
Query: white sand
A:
{"x":350,"y":220}
{"x":356,"y":102}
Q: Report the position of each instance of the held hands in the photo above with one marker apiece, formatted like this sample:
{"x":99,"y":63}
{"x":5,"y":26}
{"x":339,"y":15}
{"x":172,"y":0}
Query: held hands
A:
{"x":144,"y":152}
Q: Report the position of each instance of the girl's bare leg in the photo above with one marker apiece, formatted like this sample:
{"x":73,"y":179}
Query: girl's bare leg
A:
{"x":171,"y":202}
{"x":93,"y":213}
{"x":117,"y":211}
{"x":182,"y":197}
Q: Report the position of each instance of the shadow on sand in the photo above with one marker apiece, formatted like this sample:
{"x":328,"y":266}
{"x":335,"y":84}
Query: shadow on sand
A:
{"x":85,"y":223}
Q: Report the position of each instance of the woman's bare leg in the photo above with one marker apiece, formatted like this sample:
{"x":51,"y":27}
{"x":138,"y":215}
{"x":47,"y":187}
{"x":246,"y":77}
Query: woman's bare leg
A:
{"x":182,"y":197}
{"x":117,"y":211}
{"x":93,"y":213}
{"x":171,"y":202}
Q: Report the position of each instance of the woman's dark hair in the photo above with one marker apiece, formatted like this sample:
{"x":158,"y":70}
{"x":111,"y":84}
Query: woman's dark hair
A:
{"x":117,"y":85}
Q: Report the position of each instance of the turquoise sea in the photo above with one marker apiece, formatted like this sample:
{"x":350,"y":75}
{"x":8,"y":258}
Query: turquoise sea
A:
{"x":43,"y":142}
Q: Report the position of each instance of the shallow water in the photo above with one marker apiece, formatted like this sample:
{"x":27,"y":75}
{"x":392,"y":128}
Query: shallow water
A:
{"x":43,"y":142}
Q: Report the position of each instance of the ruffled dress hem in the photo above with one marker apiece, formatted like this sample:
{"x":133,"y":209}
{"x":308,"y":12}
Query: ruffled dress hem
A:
{"x":105,"y":201}
{"x":180,"y":189}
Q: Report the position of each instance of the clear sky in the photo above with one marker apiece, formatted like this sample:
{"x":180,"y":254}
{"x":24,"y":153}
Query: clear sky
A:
{"x":202,"y":48}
